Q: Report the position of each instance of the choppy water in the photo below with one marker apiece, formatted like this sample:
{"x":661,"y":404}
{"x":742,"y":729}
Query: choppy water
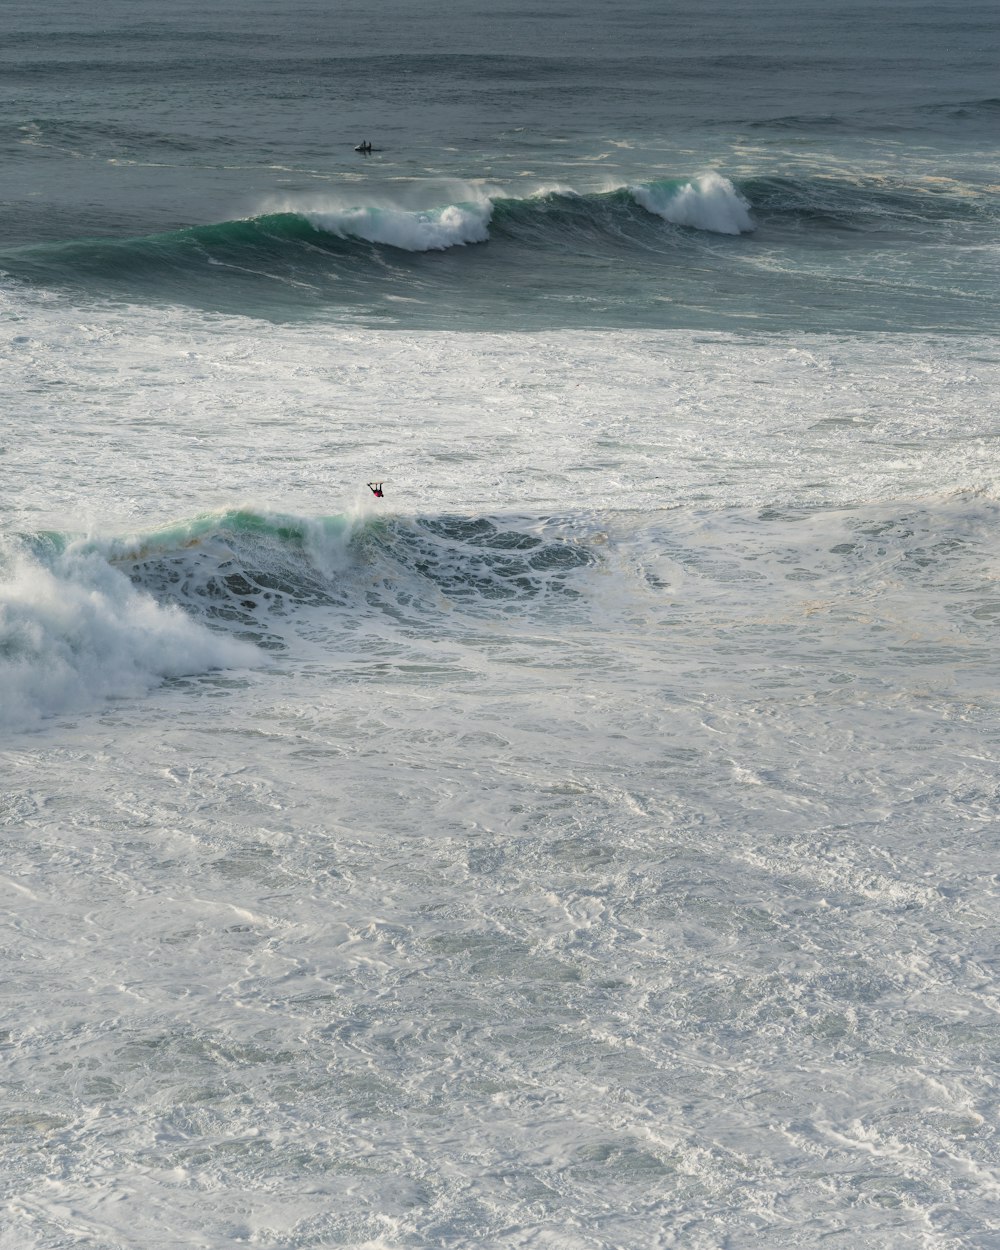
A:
{"x":594,"y":842}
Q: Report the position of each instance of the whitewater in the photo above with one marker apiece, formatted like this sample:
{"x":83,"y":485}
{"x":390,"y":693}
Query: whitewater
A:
{"x":563,"y":867}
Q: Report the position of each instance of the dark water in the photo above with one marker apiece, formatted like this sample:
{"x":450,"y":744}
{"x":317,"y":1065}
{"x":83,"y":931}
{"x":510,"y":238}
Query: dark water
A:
{"x":184,"y":156}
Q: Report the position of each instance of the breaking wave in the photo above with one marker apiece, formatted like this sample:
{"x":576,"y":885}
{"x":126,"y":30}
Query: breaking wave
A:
{"x":74,"y":630}
{"x":526,"y":260}
{"x":83,"y":620}
{"x":420,"y":231}
{"x":710,"y":202}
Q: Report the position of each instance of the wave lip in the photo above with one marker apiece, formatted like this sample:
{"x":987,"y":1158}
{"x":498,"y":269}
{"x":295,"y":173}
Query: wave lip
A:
{"x":423,"y":230}
{"x":708,"y":202}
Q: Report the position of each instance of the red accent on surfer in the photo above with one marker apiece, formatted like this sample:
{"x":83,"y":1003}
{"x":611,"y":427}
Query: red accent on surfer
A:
{"x":376,"y":489}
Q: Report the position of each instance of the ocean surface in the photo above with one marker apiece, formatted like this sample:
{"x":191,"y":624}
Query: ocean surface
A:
{"x":593,"y":844}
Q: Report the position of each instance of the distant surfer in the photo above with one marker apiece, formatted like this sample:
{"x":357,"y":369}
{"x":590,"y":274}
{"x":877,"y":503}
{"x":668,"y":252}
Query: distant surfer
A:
{"x":364,"y":146}
{"x":376,"y":489}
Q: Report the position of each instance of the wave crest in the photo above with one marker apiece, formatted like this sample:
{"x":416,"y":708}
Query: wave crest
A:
{"x":75,"y":631}
{"x":424,"y":230}
{"x":709,"y":202}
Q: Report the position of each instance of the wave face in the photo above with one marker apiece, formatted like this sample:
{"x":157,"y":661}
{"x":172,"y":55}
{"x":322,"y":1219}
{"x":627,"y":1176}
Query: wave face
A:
{"x":766,"y":248}
{"x":85,"y":620}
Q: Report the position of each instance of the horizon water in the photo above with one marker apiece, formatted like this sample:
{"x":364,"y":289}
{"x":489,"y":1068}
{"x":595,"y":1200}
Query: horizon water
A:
{"x":594,"y":842}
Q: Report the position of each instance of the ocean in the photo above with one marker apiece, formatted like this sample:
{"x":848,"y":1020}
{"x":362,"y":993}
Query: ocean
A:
{"x":592,"y":844}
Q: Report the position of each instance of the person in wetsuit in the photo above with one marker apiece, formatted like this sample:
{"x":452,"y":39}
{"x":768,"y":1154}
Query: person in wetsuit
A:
{"x":376,"y":489}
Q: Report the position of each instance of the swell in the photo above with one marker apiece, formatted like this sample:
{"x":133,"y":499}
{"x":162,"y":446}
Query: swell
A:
{"x":362,"y":257}
{"x":867,"y":121}
{"x":347,"y":231}
{"x":864,"y":204}
{"x":694,"y":203}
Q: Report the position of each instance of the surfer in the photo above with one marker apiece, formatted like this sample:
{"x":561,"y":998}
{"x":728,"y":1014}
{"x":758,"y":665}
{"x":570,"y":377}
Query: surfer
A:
{"x":364,"y":146}
{"x":376,"y":489}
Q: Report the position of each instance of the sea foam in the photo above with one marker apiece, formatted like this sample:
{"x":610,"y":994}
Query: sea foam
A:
{"x":708,"y":202}
{"x":77,"y":631}
{"x":422,"y":230}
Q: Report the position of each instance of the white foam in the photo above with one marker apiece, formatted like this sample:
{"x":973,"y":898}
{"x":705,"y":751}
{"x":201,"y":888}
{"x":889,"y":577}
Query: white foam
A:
{"x":708,"y":202}
{"x":448,"y":918}
{"x":79,"y":632}
{"x":411,"y":230}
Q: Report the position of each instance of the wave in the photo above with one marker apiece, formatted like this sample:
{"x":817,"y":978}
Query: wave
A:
{"x":472,"y":256}
{"x":83,"y":620}
{"x":74,"y":631}
{"x":710,"y":202}
{"x":900,"y":118}
{"x":410,"y":231}
{"x":253,"y":567}
{"x":985,"y":108}
{"x":808,"y":122}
